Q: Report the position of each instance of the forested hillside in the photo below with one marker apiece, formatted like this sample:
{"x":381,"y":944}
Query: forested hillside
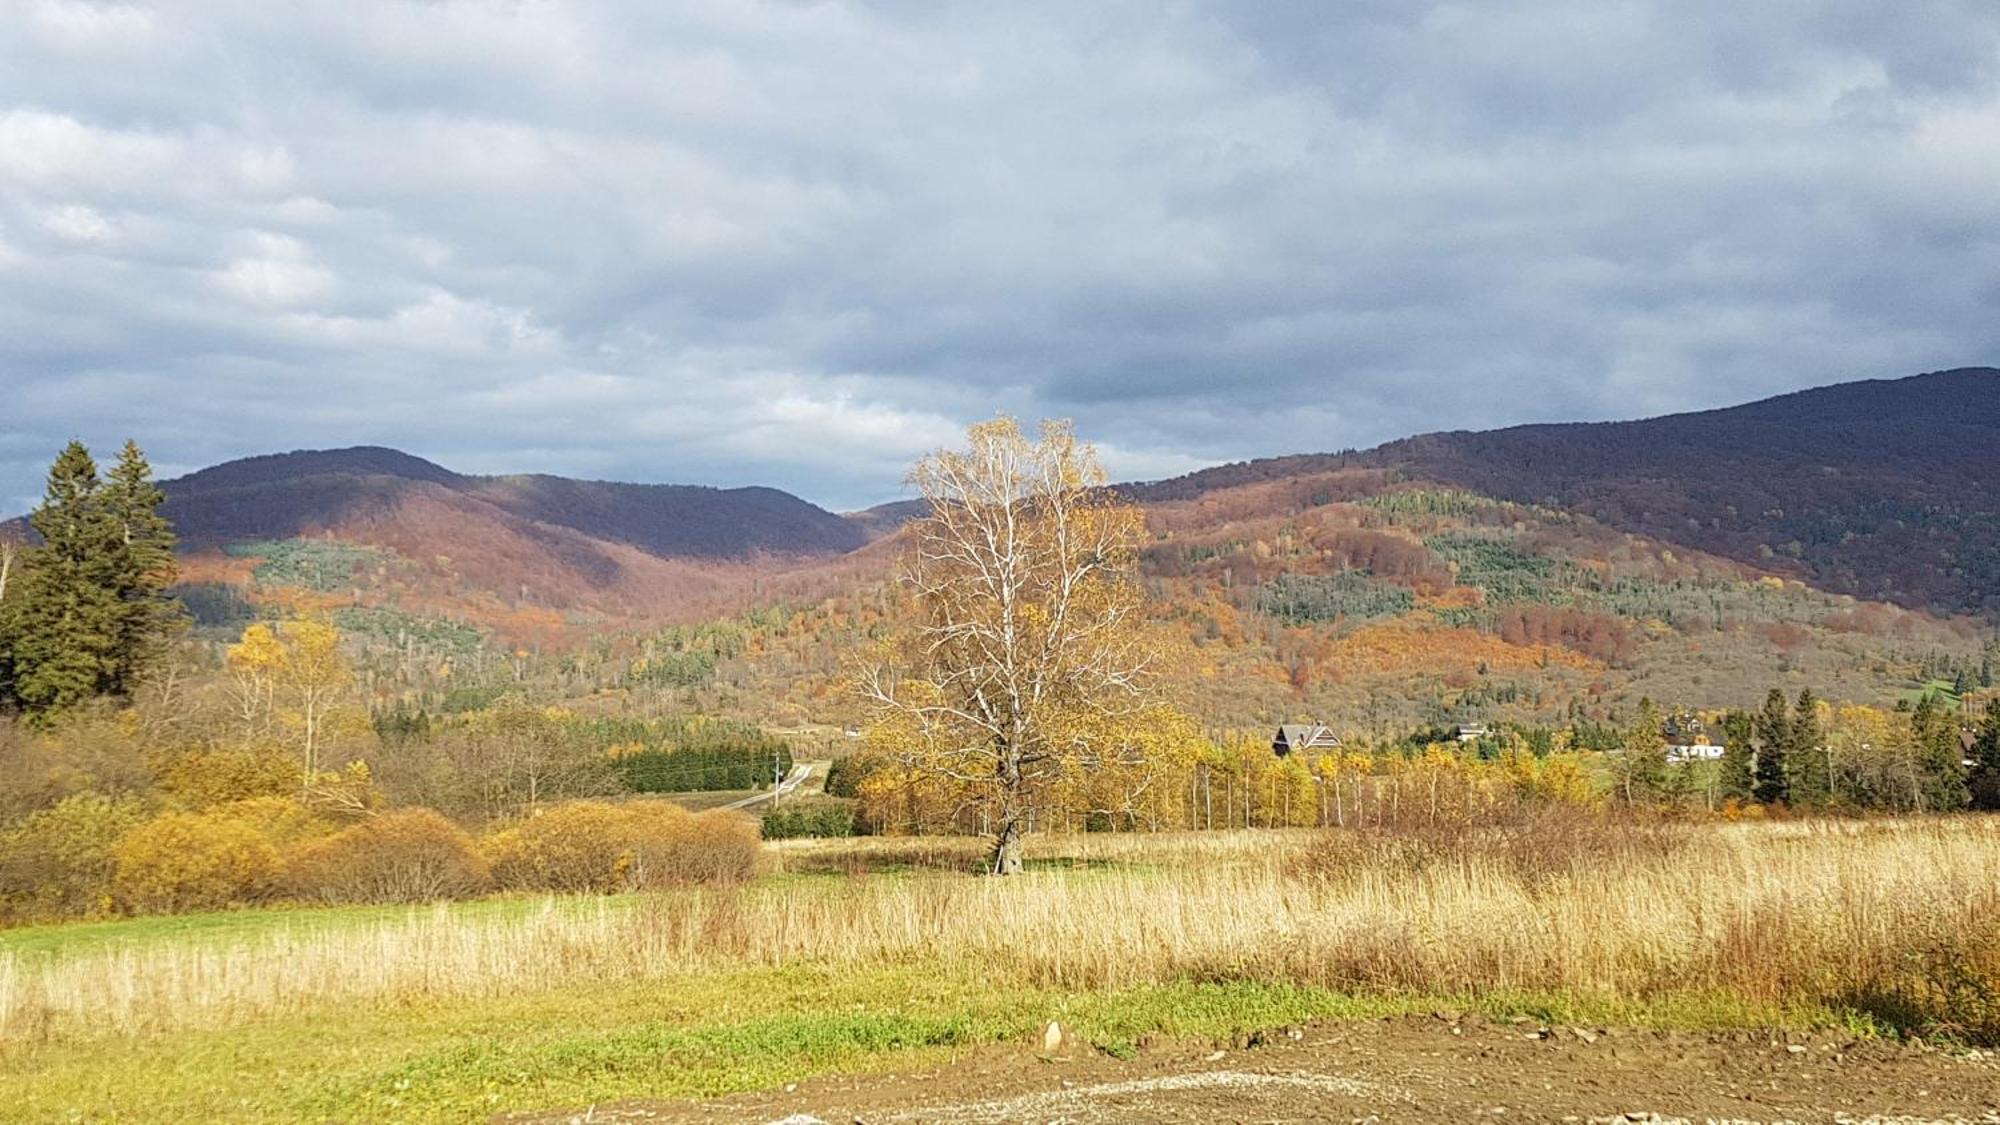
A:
{"x":1812,"y":541}
{"x":1885,"y":489}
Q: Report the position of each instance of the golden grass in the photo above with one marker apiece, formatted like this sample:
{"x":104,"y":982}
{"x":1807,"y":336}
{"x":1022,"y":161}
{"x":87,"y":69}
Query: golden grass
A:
{"x":1772,"y":913}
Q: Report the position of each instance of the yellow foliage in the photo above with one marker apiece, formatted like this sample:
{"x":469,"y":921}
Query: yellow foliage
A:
{"x":410,"y":855}
{"x":201,"y":778}
{"x":598,"y":846}
{"x":300,"y":665}
{"x":1559,"y":778}
{"x":193,"y":861}
{"x":1403,"y":648}
{"x":348,"y":792}
{"x":60,"y":862}
{"x":281,"y":820}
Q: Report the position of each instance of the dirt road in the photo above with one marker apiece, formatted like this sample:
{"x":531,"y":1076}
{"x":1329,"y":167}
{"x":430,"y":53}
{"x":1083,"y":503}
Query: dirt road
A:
{"x":1440,"y":1068}
{"x":791,"y":782}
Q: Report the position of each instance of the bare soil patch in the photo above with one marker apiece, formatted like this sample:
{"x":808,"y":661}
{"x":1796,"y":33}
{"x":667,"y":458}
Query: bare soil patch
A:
{"x":1418,"y":1069}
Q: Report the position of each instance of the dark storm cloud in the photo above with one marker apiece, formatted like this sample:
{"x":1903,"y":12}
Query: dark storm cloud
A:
{"x":799,"y":243}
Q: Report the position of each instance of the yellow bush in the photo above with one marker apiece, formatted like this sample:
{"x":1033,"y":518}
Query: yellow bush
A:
{"x":60,"y":862}
{"x":717,"y":846}
{"x":193,"y":861}
{"x":595,"y":846}
{"x":410,"y":855}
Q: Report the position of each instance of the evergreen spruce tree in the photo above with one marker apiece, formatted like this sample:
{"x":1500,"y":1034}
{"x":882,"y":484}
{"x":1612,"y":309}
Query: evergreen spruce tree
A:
{"x":1739,"y":757}
{"x":1773,"y":727}
{"x":62,"y":626}
{"x":1985,"y":780}
{"x":1808,"y":774}
{"x":1940,"y":757}
{"x":139,"y":569}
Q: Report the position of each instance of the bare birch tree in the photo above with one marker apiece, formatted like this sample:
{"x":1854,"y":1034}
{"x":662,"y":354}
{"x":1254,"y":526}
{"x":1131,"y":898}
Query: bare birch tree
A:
{"x":10,"y":548}
{"x":1026,"y":648}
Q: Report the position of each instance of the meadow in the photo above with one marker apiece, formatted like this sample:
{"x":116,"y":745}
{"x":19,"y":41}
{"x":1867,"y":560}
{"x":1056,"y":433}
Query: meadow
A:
{"x":875,"y":953}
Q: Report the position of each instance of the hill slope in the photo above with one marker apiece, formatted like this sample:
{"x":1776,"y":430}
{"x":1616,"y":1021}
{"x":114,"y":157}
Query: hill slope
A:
{"x":1885,"y":489}
{"x":457,"y":542}
{"x":288,"y":494}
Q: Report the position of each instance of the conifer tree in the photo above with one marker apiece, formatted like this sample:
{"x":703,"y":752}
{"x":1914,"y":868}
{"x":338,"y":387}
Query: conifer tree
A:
{"x":1985,"y":780}
{"x":62,"y":625}
{"x":139,"y":569}
{"x":1773,"y":728}
{"x":1642,"y":769}
{"x":1940,"y":758}
{"x":1808,"y":772}
{"x":1739,"y":757}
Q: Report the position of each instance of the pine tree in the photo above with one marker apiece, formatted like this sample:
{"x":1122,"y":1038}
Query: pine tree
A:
{"x":62,"y":627}
{"x":1808,"y":773}
{"x":1739,"y":757}
{"x":1773,"y":727}
{"x":139,"y":569}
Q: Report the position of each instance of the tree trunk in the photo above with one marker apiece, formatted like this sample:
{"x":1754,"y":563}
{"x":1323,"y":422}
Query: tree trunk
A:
{"x":1007,"y":845}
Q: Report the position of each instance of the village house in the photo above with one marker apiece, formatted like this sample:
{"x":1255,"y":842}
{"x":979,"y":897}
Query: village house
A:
{"x":1303,"y":737}
{"x":1687,"y":739}
{"x":1703,"y":751}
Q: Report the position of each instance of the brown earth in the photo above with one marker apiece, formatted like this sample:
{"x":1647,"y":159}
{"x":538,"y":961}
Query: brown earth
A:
{"x":1398,"y":1070}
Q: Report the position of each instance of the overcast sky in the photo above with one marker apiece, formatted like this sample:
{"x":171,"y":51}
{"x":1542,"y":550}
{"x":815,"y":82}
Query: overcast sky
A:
{"x":800,"y":243}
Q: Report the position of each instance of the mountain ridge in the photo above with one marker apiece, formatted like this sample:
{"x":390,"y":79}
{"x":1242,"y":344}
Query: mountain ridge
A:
{"x":1881,"y":488}
{"x":1886,"y":489}
{"x":285,"y":494}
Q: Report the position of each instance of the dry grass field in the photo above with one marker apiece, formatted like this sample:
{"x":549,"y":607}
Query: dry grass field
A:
{"x":1873,"y":925}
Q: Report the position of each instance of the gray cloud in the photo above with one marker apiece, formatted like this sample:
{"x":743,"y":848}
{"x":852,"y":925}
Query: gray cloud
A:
{"x":798,"y":243}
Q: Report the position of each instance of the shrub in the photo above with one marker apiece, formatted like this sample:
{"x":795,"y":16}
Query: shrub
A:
{"x":718,"y":846}
{"x":193,"y":861}
{"x":595,"y":846}
{"x":822,"y":818}
{"x":84,"y":752}
{"x":410,"y":855}
{"x":61,"y":862}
